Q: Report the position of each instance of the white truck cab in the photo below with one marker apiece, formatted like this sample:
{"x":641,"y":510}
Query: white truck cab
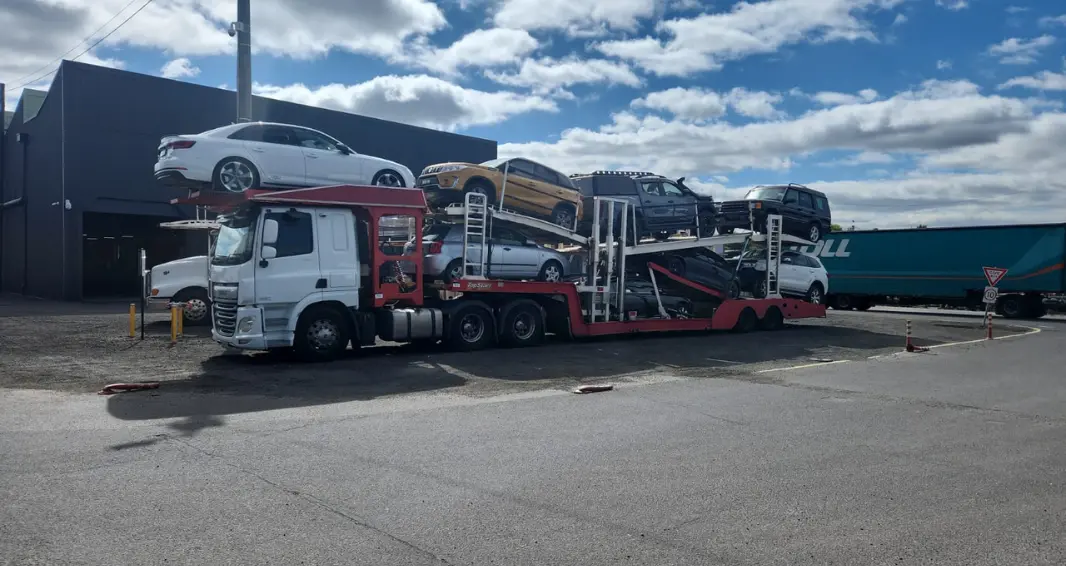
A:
{"x":182,"y":281}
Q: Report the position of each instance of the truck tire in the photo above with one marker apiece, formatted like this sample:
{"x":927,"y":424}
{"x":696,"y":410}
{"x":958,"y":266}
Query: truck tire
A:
{"x":772,"y":320}
{"x":197,"y":311}
{"x":747,"y":321}
{"x":322,"y":334}
{"x":471,"y":328}
{"x":522,"y":325}
{"x":1012,"y":306}
{"x":842,"y":302}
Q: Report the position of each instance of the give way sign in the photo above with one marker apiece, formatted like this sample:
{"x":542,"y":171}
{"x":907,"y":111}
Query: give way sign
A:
{"x":994,"y":275}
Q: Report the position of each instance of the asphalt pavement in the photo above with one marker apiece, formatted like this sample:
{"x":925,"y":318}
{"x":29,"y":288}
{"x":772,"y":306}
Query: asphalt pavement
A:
{"x":951,"y":456}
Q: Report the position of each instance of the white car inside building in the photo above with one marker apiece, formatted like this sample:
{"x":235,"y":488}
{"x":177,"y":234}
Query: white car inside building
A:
{"x":269,"y":155}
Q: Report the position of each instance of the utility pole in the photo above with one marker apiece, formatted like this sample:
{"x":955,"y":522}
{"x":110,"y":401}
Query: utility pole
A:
{"x":243,"y":29}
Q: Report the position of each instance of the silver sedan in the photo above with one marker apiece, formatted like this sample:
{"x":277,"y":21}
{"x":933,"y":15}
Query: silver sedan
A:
{"x":512,"y":255}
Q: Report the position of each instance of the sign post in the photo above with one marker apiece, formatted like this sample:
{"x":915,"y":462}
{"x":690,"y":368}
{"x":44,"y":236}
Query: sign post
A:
{"x":993,"y":275}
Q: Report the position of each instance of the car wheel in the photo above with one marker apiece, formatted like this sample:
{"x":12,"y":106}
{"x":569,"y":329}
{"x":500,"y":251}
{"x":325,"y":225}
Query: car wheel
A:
{"x":759,"y":291}
{"x":197,"y":310}
{"x":815,"y":233}
{"x":551,"y":271}
{"x":388,"y":178}
{"x":321,"y":334}
{"x":706,"y":229}
{"x":471,"y":328}
{"x":454,"y":271}
{"x":564,"y":215}
{"x":523,"y":325}
{"x":815,"y":295}
{"x":676,"y":266}
{"x":482,"y":188}
{"x":683,"y":310}
{"x":734,"y":289}
{"x":235,"y":174}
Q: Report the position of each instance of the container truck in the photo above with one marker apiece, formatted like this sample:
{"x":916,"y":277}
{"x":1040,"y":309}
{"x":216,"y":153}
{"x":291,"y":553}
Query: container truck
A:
{"x":922,"y":266}
{"x":306,"y":269}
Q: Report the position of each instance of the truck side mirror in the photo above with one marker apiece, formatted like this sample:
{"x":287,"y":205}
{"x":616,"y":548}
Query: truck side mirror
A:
{"x":270,"y":232}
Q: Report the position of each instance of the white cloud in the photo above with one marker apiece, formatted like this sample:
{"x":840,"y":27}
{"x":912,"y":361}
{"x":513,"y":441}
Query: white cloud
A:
{"x":179,"y":68}
{"x":1053,"y":20}
{"x":580,"y":18}
{"x":861,"y":158}
{"x":417,"y":99}
{"x":707,"y":41}
{"x":829,"y":98}
{"x":1044,"y":80}
{"x":943,"y":64}
{"x":548,"y":75}
{"x":697,"y":104}
{"x":1016,"y":51}
{"x":479,"y":48}
{"x":1017,"y":9}
{"x":953,"y":5}
{"x":900,"y":20}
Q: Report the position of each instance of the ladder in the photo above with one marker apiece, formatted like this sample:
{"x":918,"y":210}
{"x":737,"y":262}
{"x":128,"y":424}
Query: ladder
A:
{"x":773,"y":255}
{"x":475,"y":231}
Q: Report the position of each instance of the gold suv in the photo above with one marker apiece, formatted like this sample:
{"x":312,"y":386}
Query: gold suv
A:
{"x":531,"y":189}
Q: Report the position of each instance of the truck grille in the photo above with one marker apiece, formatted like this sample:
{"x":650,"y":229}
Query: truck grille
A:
{"x":225,"y":316}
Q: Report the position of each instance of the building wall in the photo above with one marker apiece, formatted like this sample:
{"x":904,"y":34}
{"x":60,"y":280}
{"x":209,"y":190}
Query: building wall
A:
{"x":33,"y":170}
{"x":97,"y":151}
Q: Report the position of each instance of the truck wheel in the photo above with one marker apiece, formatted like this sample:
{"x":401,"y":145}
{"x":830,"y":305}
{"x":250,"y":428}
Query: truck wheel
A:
{"x":471,"y":328}
{"x":321,"y":335}
{"x":197,"y":311}
{"x":523,"y":325}
{"x":772,"y":320}
{"x":841,"y":302}
{"x":746,"y":321}
{"x":1012,"y":306}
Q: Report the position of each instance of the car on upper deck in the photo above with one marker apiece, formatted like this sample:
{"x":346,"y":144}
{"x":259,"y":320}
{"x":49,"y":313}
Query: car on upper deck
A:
{"x":805,"y":212}
{"x":531,"y":189}
{"x":662,"y":206}
{"x":270,"y":156}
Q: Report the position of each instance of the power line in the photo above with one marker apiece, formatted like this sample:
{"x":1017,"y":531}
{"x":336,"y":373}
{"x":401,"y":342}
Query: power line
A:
{"x":91,"y":47}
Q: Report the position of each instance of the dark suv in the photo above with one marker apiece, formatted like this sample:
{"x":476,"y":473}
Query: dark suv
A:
{"x":805,"y":211}
{"x":662,"y":206}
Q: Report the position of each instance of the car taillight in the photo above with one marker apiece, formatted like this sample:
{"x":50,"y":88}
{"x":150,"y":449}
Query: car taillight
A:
{"x":183,"y":144}
{"x":436,"y":247}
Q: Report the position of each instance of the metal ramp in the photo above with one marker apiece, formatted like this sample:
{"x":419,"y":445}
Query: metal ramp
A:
{"x":773,"y":255}
{"x":457,"y":212}
{"x":475,"y":229}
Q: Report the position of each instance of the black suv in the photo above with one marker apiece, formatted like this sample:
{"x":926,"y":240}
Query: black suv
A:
{"x":662,"y":206}
{"x":805,"y":211}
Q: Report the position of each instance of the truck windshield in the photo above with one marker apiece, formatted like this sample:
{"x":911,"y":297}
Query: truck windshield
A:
{"x":233,"y":245}
{"x":766,"y":193}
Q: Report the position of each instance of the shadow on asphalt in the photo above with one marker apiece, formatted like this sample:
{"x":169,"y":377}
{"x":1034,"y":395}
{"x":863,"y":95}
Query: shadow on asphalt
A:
{"x":252,"y":383}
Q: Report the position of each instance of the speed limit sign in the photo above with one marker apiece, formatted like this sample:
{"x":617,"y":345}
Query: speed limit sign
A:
{"x":991,"y":294}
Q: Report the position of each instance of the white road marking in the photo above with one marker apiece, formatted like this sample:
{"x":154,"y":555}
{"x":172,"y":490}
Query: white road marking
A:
{"x":1032,"y":330}
{"x":804,"y":366}
{"x":723,"y":361}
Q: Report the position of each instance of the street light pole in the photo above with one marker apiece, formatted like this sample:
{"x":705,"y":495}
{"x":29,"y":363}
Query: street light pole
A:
{"x":243,"y":27}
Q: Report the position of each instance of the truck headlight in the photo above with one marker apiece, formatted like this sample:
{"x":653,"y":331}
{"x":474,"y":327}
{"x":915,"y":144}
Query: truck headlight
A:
{"x":245,"y":325}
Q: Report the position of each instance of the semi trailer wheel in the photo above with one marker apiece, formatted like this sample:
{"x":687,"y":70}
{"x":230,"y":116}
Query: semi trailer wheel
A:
{"x":747,"y":321}
{"x":772,"y":320}
{"x":522,"y":325}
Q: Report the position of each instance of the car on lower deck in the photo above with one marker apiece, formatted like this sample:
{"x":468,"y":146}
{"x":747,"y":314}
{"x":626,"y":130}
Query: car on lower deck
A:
{"x":805,"y":212}
{"x":701,"y":266}
{"x":800,"y":275}
{"x":511,"y":255}
{"x":515,"y":184}
{"x":269,"y":155}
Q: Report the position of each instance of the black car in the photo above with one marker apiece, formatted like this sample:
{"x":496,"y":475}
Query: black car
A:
{"x":640,"y":300}
{"x":701,"y":266}
{"x":662,"y":206}
{"x":805,"y":211}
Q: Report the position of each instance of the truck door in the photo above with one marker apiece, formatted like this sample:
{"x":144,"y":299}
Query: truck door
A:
{"x":293,"y":273}
{"x":337,"y":255}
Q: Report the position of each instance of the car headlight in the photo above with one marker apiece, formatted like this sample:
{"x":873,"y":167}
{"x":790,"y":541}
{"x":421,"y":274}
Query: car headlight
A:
{"x":447,"y":168}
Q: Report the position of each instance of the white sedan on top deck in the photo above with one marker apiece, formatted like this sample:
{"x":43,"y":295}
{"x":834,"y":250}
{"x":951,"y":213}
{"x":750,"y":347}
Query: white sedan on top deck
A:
{"x":268,"y":155}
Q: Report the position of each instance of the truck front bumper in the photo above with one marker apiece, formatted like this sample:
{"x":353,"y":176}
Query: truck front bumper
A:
{"x":247,"y":333}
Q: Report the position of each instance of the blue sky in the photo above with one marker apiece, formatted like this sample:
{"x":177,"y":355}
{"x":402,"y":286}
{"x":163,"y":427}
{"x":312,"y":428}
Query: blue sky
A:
{"x":905,"y":111}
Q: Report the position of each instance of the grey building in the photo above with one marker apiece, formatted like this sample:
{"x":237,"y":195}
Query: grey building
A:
{"x":78,"y":193}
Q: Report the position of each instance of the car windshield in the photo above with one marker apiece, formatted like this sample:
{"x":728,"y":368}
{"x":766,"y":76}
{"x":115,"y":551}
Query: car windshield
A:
{"x":766,"y":193}
{"x":233,"y":245}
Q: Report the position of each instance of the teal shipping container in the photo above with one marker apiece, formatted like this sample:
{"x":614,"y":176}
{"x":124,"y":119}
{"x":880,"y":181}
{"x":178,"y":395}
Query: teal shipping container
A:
{"x":944,"y":266}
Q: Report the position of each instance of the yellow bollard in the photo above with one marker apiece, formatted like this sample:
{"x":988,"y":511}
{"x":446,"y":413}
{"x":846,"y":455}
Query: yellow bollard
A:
{"x":133,"y":320}
{"x":181,"y":321}
{"x":173,"y":325}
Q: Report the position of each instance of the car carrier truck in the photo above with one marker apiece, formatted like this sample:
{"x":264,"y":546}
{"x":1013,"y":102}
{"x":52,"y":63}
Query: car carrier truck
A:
{"x":305,"y":269}
{"x":922,"y":266}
